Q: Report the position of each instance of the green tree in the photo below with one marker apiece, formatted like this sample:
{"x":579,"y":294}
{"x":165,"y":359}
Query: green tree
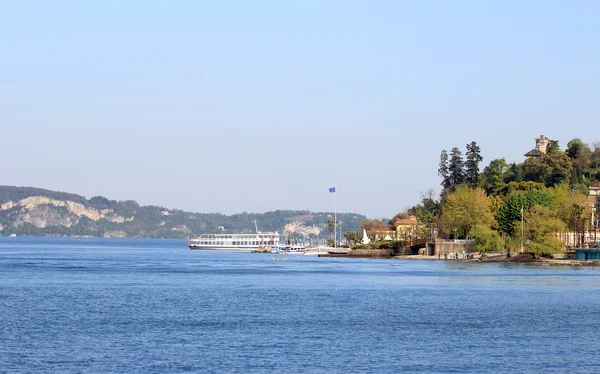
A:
{"x":551,"y":169}
{"x":560,"y":165}
{"x":510,"y":212}
{"x":579,"y":153}
{"x":495,"y":205}
{"x":443,"y":169}
{"x":465,"y":208}
{"x":595,"y":156}
{"x":552,"y":146}
{"x":487,"y":239}
{"x":374,"y":227}
{"x":538,"y":197}
{"x":581,"y":159}
{"x":352,"y":238}
{"x":542,"y":229}
{"x":511,"y":187}
{"x":473,"y":158}
{"x":535,"y":170}
{"x":492,"y":177}
{"x":514,"y":173}
{"x":428,"y":210}
{"x":456,"y":168}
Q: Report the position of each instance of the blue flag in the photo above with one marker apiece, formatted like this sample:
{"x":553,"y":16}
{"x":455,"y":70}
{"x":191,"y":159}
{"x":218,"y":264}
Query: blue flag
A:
{"x":332,"y":189}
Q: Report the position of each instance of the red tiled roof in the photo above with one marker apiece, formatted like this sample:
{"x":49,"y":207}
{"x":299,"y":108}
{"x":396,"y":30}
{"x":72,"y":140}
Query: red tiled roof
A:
{"x":407,"y":222}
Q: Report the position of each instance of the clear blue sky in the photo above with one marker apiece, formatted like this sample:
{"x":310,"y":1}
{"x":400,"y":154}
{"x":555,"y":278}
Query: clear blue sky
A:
{"x":223,"y":106}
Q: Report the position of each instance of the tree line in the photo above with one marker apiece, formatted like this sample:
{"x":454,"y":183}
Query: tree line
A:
{"x":533,"y":204}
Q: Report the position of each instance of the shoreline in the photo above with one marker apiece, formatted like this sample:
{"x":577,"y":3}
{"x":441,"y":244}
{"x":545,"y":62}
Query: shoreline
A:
{"x":495,"y":257}
{"x":542,"y":261}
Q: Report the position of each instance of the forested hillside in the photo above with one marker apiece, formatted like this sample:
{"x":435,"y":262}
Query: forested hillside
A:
{"x":39,"y":212}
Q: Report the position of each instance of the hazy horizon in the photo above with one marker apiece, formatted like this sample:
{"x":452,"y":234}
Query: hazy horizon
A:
{"x":232,"y":106}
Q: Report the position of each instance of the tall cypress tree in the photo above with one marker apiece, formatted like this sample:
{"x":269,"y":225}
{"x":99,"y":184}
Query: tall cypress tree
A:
{"x":456,"y":167}
{"x":472,"y":164}
{"x":443,"y":170}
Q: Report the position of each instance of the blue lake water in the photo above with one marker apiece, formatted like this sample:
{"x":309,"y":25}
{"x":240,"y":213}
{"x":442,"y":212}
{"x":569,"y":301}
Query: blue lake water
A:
{"x":153,"y":306}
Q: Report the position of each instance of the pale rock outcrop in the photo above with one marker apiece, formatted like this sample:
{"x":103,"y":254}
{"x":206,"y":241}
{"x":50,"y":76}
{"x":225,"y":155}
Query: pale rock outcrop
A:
{"x":300,"y":228}
{"x":115,"y":219}
{"x":181,"y":228}
{"x":44,"y":216}
{"x":38,"y":214}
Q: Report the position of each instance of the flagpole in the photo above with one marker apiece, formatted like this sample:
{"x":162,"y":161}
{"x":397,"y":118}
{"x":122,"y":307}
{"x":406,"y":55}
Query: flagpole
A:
{"x":335,"y":217}
{"x":333,"y":191}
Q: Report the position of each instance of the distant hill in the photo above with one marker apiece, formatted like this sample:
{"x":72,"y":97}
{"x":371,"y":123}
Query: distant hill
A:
{"x":39,"y":212}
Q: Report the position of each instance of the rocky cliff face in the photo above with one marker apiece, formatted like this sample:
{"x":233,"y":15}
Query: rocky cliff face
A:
{"x":301,"y":229}
{"x":42,"y":212}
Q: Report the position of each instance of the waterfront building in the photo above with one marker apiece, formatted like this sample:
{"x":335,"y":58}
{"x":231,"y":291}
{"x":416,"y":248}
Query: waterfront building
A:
{"x":409,"y":229}
{"x":590,"y":234}
{"x":541,"y":145}
{"x":385,"y":235}
{"x":588,"y":254}
{"x":594,"y":199}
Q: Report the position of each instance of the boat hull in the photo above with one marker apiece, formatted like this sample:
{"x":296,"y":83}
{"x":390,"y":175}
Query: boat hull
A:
{"x":224,"y":248}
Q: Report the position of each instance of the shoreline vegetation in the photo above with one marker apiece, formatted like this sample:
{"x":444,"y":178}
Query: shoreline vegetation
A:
{"x":543,"y":205}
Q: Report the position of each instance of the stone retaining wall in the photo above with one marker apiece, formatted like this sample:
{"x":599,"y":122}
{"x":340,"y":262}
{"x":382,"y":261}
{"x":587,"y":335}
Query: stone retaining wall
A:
{"x":443,"y":247}
{"x":363,"y":253}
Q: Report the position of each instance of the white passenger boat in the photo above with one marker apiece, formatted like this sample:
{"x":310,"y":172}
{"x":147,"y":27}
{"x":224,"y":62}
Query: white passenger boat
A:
{"x":235,"y":242}
{"x":290,"y":249}
{"x":277,"y":248}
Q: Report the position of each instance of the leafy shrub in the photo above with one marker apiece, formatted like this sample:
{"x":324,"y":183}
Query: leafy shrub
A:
{"x":487,"y":239}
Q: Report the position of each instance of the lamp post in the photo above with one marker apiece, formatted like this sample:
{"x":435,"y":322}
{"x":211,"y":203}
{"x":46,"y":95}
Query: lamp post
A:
{"x":522,"y":226}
